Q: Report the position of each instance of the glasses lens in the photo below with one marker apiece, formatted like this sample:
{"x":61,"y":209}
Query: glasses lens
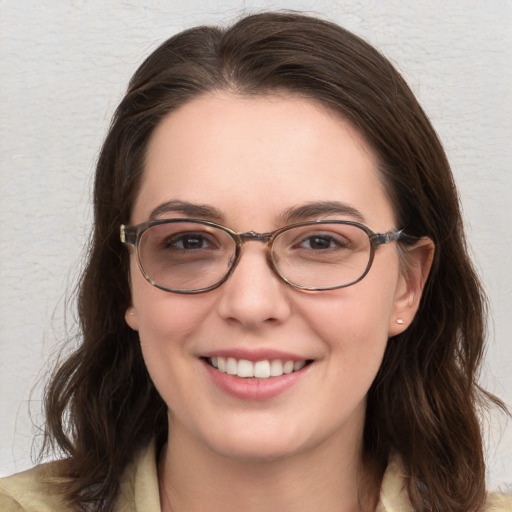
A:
{"x":322,"y":255}
{"x":185,"y":256}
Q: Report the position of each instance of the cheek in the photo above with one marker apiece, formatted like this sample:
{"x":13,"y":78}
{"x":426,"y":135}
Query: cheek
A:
{"x":355,"y":320}
{"x":169,"y":328}
{"x":167,"y":320}
{"x":160,"y":315}
{"x":350,"y":316}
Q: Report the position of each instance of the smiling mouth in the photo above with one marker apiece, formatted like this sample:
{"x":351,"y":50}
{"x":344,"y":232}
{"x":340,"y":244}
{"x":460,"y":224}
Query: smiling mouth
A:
{"x":264,"y":369}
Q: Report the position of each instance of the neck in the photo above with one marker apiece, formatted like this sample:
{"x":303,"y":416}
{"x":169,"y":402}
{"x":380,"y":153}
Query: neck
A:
{"x":328,"y":478}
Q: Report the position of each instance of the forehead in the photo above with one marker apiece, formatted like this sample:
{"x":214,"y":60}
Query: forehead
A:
{"x":258,"y":154}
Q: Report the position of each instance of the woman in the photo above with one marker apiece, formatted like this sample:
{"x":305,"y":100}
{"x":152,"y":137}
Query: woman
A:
{"x":278,"y":310}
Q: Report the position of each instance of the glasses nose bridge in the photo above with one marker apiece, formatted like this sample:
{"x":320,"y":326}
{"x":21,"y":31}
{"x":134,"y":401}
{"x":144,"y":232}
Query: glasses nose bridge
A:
{"x":253,"y":236}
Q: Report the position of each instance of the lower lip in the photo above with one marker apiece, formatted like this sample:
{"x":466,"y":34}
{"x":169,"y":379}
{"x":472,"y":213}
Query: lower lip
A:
{"x":253,"y":388}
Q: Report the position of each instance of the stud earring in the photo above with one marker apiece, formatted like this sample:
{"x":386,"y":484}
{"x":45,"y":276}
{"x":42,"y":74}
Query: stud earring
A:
{"x":400,"y":321}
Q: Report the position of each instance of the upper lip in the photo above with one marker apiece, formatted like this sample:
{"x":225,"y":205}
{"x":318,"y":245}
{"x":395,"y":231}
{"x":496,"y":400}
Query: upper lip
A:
{"x":254,"y":355}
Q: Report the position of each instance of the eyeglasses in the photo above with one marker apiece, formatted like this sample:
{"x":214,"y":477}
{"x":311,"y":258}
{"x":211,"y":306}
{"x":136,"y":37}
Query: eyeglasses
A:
{"x":195,"y":256}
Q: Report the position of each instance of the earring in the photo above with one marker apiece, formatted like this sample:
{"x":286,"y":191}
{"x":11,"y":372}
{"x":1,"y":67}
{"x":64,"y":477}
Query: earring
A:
{"x":400,"y":321}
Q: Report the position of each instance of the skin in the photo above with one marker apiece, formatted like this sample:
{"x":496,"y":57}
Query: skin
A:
{"x":252,"y":159}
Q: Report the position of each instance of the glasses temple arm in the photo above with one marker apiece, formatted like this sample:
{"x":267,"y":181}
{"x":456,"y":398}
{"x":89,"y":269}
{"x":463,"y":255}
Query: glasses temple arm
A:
{"x":127,"y":235}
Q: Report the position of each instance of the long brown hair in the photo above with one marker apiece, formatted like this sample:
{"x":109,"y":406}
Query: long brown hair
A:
{"x":424,"y":401}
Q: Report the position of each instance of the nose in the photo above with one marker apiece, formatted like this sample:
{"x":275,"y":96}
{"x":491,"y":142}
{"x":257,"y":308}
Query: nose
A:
{"x":253,"y":295}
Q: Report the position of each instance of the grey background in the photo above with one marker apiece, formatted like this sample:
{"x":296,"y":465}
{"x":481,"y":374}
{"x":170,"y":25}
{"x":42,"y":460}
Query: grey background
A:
{"x":63,"y":68}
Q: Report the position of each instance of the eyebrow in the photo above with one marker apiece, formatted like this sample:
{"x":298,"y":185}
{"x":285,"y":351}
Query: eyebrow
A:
{"x":185,"y":208}
{"x":321,"y":209}
{"x":290,"y":215}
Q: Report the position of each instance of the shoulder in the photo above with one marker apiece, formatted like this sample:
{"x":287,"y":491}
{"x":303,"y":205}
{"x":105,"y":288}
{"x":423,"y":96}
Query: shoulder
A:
{"x":32,"y":490}
{"x":40,"y":489}
{"x":394,"y":497}
{"x":499,"y":503}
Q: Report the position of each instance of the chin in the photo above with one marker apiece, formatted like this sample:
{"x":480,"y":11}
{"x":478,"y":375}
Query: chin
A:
{"x":255,"y":452}
{"x":257,"y":445}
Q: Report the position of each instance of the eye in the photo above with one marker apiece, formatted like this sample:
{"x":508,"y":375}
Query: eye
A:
{"x":191,"y":241}
{"x":323,"y":241}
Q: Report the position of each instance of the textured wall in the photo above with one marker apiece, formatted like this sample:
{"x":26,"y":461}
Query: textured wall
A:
{"x":63,"y":67}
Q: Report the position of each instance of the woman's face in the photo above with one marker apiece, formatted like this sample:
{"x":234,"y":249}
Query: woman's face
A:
{"x":252,"y":160}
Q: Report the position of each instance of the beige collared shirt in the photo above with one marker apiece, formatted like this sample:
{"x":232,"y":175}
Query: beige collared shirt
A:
{"x":28,"y":492}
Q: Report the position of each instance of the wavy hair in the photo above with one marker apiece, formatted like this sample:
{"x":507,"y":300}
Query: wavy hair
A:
{"x":424,"y":401}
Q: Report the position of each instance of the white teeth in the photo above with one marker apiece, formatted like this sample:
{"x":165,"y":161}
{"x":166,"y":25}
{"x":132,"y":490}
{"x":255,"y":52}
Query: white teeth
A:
{"x":276,"y":368}
{"x":231,"y":366}
{"x":288,"y":367}
{"x":260,"y":369}
{"x":245,"y":368}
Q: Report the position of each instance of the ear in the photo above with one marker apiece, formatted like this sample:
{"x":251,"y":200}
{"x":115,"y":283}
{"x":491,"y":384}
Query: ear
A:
{"x":417,"y":261}
{"x":131,"y":318}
